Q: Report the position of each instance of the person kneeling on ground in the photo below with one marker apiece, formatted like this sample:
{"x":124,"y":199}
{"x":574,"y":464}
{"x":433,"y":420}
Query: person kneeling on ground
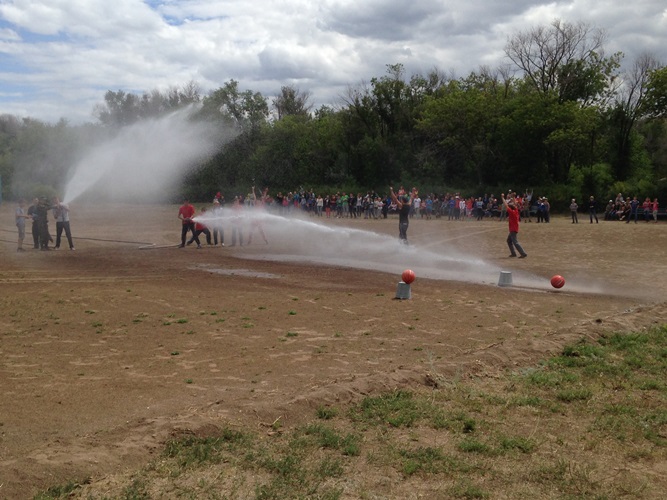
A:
{"x":199,"y":229}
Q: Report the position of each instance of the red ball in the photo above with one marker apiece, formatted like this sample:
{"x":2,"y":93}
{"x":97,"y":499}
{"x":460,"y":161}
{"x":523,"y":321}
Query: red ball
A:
{"x":408,"y":276}
{"x":557,"y":281}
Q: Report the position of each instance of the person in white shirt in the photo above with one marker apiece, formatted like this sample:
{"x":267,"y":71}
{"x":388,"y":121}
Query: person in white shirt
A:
{"x":416,"y":206}
{"x":61,"y":214}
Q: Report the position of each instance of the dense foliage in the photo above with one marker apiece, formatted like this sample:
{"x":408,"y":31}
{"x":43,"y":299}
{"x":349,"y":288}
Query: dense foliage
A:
{"x":560,"y":117}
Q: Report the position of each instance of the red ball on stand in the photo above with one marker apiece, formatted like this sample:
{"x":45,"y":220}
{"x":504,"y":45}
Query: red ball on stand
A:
{"x":408,"y":276}
{"x":557,"y":281}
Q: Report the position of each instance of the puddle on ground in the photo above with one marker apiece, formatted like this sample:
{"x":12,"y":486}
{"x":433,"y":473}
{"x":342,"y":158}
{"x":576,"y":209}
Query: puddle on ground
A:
{"x":237,"y":272}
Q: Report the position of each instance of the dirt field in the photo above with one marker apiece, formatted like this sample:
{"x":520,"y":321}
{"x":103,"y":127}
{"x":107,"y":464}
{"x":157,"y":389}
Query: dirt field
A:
{"x":106,"y":350}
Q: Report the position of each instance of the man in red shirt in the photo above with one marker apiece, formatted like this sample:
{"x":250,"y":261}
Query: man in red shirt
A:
{"x":186,"y":213}
{"x":513,"y":218}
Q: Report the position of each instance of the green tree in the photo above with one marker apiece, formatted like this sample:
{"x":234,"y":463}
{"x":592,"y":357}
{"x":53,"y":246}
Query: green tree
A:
{"x":42,"y":154}
{"x":283,"y":155}
{"x":122,"y":108}
{"x":292,"y":102}
{"x":633,"y":101}
{"x":563,"y":65}
{"x":381,"y":141}
{"x":460,"y":125}
{"x":243,"y":114}
{"x":245,"y":110}
{"x":300,"y":150}
{"x":655,"y":100}
{"x":10,"y":128}
{"x":565,"y":59}
{"x":119,"y":109}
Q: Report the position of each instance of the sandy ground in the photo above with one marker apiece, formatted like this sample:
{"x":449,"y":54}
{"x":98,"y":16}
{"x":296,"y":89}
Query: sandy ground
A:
{"x":106,"y":350}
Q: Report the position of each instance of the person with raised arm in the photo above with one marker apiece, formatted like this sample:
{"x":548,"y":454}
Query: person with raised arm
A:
{"x":61,"y":214}
{"x":513,"y":218}
{"x":403,"y":205}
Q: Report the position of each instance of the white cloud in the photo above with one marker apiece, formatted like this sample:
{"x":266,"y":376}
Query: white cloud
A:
{"x":60,"y":56}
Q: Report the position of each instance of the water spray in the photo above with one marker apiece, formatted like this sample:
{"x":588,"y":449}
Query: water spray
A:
{"x":144,"y":160}
{"x":296,"y":239}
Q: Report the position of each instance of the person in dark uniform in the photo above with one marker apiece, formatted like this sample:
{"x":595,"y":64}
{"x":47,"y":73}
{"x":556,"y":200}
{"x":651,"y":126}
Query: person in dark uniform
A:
{"x":42,"y":213}
{"x":32,"y":213}
{"x":403,"y":204}
{"x":592,"y":209}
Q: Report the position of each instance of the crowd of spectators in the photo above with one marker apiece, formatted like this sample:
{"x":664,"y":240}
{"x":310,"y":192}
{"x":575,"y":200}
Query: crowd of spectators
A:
{"x":372,"y":205}
{"x":452,"y":206}
{"x":626,"y":209}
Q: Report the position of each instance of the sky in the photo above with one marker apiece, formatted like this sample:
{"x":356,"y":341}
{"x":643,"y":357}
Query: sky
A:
{"x":59,"y":57}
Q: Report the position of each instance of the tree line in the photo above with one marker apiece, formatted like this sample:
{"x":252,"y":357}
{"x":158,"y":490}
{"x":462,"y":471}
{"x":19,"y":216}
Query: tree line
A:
{"x":558,"y":115}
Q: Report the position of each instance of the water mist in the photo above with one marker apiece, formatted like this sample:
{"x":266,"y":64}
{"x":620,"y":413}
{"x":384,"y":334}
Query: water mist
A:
{"x":144,"y":160}
{"x":296,"y":239}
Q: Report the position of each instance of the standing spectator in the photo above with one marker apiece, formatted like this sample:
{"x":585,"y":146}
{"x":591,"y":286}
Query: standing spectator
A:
{"x":428,"y":205}
{"x":343,"y":207}
{"x":385,"y":206}
{"x":592,"y":209}
{"x":379,"y":203}
{"x":547,"y":210}
{"x":32,"y":213}
{"x":186,"y":212}
{"x":279,"y":202}
{"x":257,"y":222}
{"x":634,"y":209}
{"x":513,"y":218}
{"x":403,"y":205}
{"x":646,"y":206}
{"x":21,"y":216}
{"x":353,"y":200}
{"x":327,"y":206}
{"x":573,"y":211}
{"x":237,"y":228}
{"x":519,"y":202}
{"x":368,"y":205}
{"x":462,"y":209}
{"x":61,"y":214}
{"x":540,"y":210}
{"x":319,"y":204}
{"x":479,"y":206}
{"x":503,"y":210}
{"x":654,"y":207}
{"x":451,"y":207}
{"x":470,"y":204}
{"x":217,"y":228}
{"x":527,"y":199}
{"x":416,"y":207}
